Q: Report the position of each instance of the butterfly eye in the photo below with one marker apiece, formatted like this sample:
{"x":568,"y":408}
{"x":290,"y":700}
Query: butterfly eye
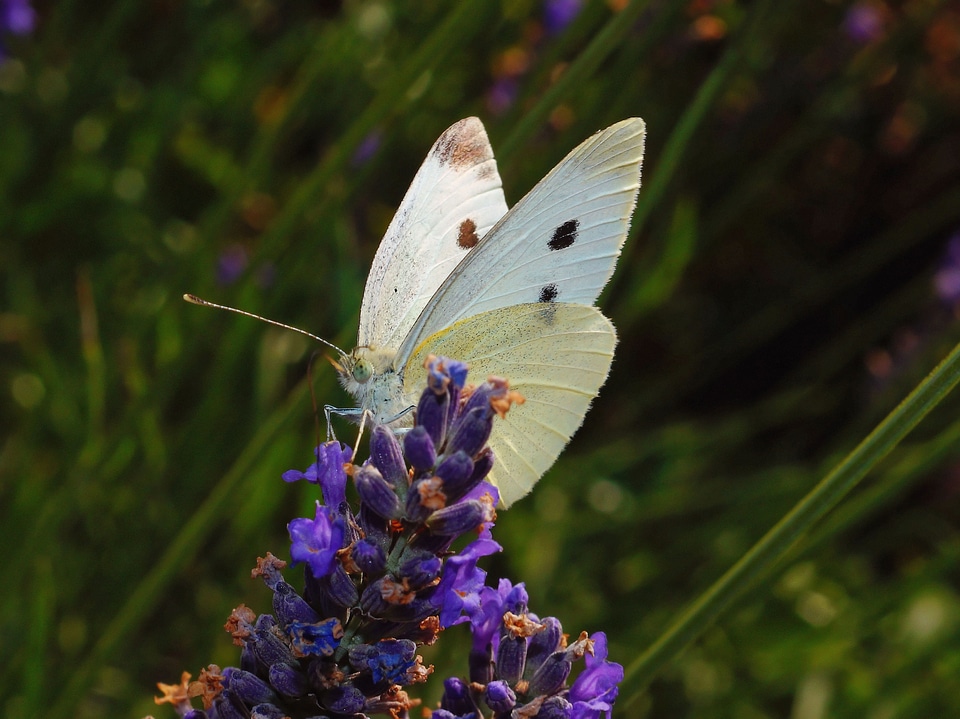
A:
{"x":362,"y":371}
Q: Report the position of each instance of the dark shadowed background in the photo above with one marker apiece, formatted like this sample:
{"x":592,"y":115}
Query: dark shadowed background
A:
{"x":792,"y":272}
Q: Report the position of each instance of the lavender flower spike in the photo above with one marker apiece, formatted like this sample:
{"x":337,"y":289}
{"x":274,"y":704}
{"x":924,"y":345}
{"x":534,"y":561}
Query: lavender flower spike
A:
{"x":380,"y":579}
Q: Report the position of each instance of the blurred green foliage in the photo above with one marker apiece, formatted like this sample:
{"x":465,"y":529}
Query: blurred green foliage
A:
{"x":788,"y":279}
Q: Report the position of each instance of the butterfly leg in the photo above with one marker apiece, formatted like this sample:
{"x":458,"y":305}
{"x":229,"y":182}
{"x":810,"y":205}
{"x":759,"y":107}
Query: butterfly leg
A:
{"x":400,"y":415}
{"x":329,"y":410}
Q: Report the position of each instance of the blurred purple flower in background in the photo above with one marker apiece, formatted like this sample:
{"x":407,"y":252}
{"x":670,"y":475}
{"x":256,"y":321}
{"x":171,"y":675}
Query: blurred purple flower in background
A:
{"x":231,"y":264}
{"x":864,"y":22}
{"x":557,"y":14}
{"x":501,"y":95}
{"x":946,"y":281}
{"x":17,"y":17}
{"x":367,"y":148}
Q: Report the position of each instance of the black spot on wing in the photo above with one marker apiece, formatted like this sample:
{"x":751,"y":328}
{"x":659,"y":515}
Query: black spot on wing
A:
{"x":549,"y":293}
{"x":565,"y":235}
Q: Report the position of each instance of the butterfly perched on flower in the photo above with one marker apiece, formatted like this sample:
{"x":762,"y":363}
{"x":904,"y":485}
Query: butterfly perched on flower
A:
{"x":510,"y":292}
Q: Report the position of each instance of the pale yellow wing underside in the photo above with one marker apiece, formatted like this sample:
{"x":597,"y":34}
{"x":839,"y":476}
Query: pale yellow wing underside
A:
{"x":557,"y":355}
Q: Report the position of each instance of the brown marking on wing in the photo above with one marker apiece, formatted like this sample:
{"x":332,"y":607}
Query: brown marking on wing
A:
{"x":463,"y":145}
{"x":467,"y":237}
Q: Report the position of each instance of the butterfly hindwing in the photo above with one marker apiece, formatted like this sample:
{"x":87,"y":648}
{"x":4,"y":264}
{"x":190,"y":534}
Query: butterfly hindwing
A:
{"x":559,"y":244}
{"x":454,"y":199}
{"x":556,"y":355}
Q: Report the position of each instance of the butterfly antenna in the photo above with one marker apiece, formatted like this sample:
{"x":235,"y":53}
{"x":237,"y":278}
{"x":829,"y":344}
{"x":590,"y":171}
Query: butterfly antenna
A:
{"x":194,"y":300}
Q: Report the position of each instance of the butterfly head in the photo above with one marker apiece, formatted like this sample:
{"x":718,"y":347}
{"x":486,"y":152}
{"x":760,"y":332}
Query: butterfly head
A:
{"x":369,"y":374}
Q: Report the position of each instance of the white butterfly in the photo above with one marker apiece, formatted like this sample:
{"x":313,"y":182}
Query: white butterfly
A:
{"x":509,"y":292}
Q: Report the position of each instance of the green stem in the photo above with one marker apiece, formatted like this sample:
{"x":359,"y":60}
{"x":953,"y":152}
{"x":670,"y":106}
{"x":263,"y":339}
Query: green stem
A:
{"x":781,"y":538}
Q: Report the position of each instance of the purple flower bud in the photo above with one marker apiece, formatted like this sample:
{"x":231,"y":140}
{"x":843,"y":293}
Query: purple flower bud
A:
{"x":426,"y":495}
{"x":288,"y":606}
{"x":433,"y":414}
{"x":228,"y":706}
{"x":481,"y":665}
{"x":267,"y":711}
{"x":511,"y":657}
{"x":265,"y":622}
{"x":556,"y":707}
{"x":419,"y":449}
{"x":420,"y":569}
{"x":248,"y":686}
{"x":543,"y":644}
{"x":330,"y":595}
{"x":445,"y":374}
{"x":288,"y":680}
{"x":387,"y":456}
{"x":456,"y":471}
{"x":481,"y":397}
{"x":551,"y":675}
{"x":369,"y":557}
{"x":248,"y":658}
{"x":459,"y":518}
{"x":270,"y":649}
{"x":344,"y":699}
{"x":516,"y":598}
{"x":372,"y":601}
{"x":376,"y":492}
{"x":500,"y":697}
{"x":482,"y":465}
{"x":457,"y":698}
{"x":341,"y":588}
{"x":471,"y":431}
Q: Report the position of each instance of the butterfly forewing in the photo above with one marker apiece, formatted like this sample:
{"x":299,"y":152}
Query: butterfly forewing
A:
{"x":560,"y":243}
{"x":556,"y":355}
{"x":455,"y":198}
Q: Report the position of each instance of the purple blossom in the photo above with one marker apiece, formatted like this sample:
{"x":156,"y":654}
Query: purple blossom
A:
{"x":485,"y":620}
{"x":317,"y":541}
{"x":458,"y":596}
{"x":328,"y":471}
{"x":595,"y":690}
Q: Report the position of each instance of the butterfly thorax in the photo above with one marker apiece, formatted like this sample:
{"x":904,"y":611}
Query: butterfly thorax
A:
{"x":370,"y":375}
